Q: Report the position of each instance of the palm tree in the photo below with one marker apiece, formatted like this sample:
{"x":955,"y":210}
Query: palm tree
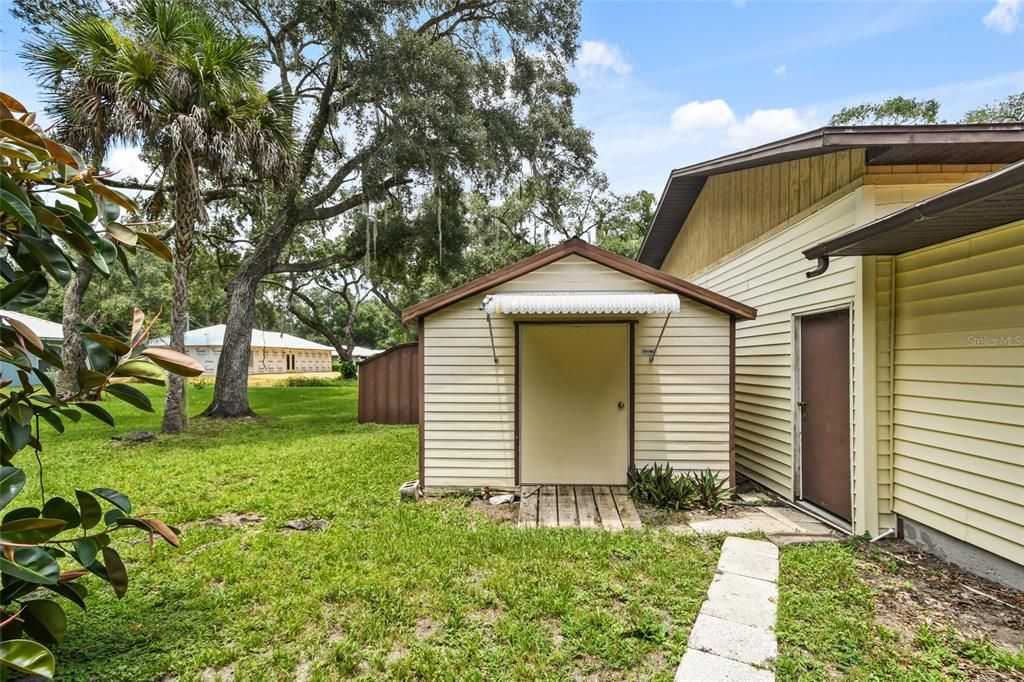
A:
{"x":167,"y":77}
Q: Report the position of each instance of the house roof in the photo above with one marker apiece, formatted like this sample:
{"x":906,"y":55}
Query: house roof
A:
{"x":44,"y":329}
{"x":991,"y":200}
{"x":593,"y":253}
{"x":892,"y":144}
{"x":214,"y":336}
{"x":361,"y":352}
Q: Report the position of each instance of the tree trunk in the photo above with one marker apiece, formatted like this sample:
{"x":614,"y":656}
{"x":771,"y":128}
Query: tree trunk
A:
{"x":72,"y":354}
{"x":231,"y":387}
{"x":188,"y":211}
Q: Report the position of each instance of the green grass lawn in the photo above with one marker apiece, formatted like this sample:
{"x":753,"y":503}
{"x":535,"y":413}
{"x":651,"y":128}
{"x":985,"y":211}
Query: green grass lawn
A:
{"x":388,"y":590}
{"x":834,"y":624}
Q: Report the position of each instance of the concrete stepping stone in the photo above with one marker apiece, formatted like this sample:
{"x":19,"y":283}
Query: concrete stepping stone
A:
{"x":700,"y":666}
{"x":744,"y":600}
{"x":734,"y":637}
{"x":743,"y":643}
{"x":753,"y":563}
{"x":749,"y":522}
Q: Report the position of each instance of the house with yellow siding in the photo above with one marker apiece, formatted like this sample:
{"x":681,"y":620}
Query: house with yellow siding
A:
{"x":881,"y":385}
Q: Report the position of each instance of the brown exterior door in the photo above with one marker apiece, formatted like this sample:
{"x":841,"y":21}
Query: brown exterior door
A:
{"x":825,"y":411}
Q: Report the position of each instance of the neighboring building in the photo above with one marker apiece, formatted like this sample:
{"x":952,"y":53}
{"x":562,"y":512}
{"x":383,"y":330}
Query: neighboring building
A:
{"x":47,"y":331}
{"x":569,"y":367}
{"x":270,"y":353}
{"x":358,"y":353}
{"x":888,"y":383}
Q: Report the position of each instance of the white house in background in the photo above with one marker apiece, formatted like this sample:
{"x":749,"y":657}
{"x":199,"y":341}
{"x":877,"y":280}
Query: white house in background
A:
{"x":44,"y":329}
{"x":270,"y":352}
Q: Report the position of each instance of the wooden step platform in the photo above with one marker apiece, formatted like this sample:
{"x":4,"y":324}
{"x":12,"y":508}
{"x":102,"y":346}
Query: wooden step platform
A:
{"x":577,"y":506}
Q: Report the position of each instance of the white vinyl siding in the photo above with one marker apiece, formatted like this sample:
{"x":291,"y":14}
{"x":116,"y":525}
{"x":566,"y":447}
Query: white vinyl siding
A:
{"x":771,"y":276}
{"x":681,"y":400}
{"x":267,"y":360}
{"x":959,"y":389}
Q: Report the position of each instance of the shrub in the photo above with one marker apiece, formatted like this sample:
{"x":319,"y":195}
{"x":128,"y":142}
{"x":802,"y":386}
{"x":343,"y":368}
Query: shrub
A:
{"x":310,"y":382}
{"x":348,"y":370}
{"x":714,"y":490}
{"x":660,"y":486}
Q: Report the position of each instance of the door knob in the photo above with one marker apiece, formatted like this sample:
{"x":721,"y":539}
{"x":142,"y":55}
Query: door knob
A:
{"x":802,"y":403}
{"x":621,"y":404}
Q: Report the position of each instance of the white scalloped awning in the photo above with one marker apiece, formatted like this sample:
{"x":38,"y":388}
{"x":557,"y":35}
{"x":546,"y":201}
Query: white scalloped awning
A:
{"x":569,"y":303}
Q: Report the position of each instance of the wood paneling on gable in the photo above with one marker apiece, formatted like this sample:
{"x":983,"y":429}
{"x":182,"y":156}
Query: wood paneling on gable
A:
{"x":736,"y":208}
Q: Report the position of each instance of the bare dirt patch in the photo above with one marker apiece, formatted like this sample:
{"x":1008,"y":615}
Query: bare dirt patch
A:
{"x":919,"y":588}
{"x":397,"y":653}
{"x":498,"y":513}
{"x":427,"y":628}
{"x":233,"y":520}
{"x":487,"y":616}
{"x":225,"y":674}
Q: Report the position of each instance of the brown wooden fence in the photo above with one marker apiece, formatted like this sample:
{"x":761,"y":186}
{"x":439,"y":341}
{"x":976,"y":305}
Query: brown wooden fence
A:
{"x":389,"y":386}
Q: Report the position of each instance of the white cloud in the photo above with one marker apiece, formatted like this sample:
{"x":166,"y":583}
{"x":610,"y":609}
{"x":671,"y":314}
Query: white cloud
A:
{"x":765,"y":125}
{"x":597,"y":58}
{"x":780,"y":70}
{"x":699,"y":115}
{"x":1005,"y":16}
{"x":760,"y":126}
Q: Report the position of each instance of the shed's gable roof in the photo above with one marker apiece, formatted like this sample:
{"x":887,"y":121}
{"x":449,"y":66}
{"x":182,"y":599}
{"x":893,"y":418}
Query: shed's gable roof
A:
{"x":890,"y":144}
{"x":592,"y":253}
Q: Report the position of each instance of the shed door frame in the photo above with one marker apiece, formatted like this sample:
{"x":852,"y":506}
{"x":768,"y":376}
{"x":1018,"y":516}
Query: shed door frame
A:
{"x":798,"y":435}
{"x":630,"y":373}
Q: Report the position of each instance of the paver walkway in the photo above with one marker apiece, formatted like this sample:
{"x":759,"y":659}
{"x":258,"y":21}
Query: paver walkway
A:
{"x":577,"y":506}
{"x":733,"y":639}
{"x":781,"y":525}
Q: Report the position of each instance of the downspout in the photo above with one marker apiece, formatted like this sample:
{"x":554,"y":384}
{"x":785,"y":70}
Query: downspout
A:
{"x":892,"y":382}
{"x":891,"y":531}
{"x":820,"y":268}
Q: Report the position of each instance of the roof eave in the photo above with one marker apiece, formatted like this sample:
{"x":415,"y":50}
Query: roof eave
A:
{"x":932,"y":207}
{"x":590,"y":252}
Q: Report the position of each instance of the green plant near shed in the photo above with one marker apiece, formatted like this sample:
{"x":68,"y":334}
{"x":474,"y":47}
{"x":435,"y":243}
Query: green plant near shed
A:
{"x":44,"y":550}
{"x":660,"y":486}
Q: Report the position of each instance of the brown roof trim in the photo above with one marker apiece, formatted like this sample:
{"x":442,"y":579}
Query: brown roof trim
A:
{"x":593,"y":253}
{"x":974,"y":201}
{"x":685,"y":184}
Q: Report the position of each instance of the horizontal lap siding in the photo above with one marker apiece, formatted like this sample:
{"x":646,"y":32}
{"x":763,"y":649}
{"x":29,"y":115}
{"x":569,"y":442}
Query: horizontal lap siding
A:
{"x":959,"y":389}
{"x":681,"y":413}
{"x":469,"y":418}
{"x":771,"y":277}
{"x":682,"y":398}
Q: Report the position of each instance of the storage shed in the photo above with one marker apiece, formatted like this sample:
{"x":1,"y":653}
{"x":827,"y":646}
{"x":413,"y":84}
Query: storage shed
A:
{"x":569,"y":367}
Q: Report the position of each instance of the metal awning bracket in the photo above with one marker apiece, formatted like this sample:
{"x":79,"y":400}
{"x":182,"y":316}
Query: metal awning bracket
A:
{"x":490,"y":329}
{"x":664,"y":326}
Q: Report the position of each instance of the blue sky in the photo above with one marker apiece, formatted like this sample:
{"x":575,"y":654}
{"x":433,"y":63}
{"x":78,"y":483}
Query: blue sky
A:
{"x":777,"y":68}
{"x":664,"y":84}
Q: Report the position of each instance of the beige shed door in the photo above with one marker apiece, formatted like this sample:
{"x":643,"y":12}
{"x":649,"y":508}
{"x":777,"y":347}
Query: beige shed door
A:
{"x":573,"y":401}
